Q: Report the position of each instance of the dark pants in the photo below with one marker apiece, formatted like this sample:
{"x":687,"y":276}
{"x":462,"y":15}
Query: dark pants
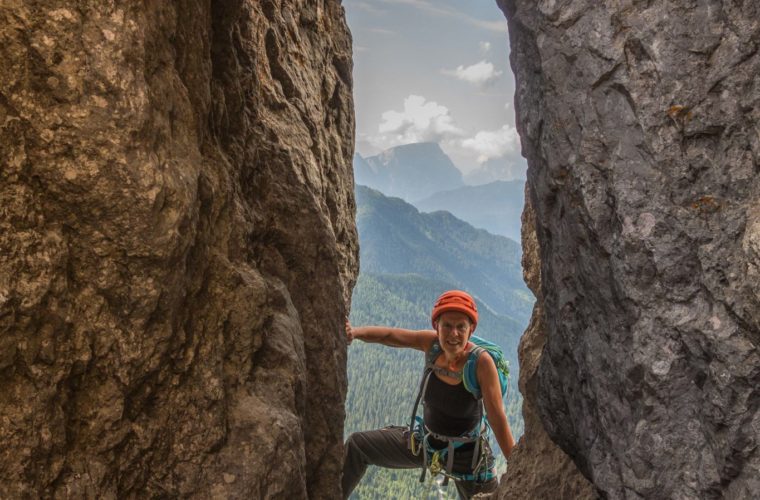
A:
{"x":388,"y":448}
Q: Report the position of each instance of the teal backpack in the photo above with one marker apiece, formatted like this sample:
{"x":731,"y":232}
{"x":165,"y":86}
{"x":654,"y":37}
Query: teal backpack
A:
{"x":469,"y":375}
{"x":418,"y":431}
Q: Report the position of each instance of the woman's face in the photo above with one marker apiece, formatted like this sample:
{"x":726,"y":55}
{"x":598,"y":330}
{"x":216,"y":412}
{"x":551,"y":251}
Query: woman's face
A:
{"x":454,"y":330}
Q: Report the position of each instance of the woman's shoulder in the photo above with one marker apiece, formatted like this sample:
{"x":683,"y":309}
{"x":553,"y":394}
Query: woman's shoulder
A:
{"x":427,"y":338}
{"x":485,"y":369}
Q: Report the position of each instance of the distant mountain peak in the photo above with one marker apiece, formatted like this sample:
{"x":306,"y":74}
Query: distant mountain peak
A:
{"x":410,"y":171}
{"x":397,"y":239}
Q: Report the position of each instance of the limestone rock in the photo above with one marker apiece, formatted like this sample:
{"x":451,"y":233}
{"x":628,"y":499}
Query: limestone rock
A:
{"x":639,"y":123}
{"x":177,"y":248}
{"x":538,"y":468}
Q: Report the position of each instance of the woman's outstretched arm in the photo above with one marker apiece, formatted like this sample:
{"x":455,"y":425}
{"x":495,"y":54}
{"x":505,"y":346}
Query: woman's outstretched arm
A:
{"x":392,"y":337}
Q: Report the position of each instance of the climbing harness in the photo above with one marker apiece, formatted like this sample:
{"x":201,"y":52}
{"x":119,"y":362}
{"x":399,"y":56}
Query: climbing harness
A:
{"x":441,"y":461}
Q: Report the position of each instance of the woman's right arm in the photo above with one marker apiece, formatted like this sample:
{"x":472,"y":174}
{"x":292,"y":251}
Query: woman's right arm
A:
{"x":392,"y":337}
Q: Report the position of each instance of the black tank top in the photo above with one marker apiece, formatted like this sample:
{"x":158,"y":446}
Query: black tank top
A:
{"x":450,"y":410}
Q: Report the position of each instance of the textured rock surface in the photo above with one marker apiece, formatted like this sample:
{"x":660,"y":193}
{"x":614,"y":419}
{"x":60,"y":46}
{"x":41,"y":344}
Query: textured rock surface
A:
{"x":639,"y":122}
{"x":538,"y":468}
{"x":176,"y":247}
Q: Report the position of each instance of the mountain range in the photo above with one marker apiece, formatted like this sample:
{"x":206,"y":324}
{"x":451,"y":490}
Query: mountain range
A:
{"x":509,"y":168}
{"x":412,"y":171}
{"x":396,"y":238}
{"x":424,"y":175}
{"x":495,"y":207}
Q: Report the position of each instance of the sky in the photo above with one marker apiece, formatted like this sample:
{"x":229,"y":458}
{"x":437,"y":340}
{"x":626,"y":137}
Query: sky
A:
{"x":434,"y":70}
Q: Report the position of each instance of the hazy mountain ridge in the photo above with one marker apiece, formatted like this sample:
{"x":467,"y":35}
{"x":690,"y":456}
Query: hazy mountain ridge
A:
{"x":424,"y":175}
{"x":397,"y":239}
{"x":506,"y":168}
{"x":495,"y":207}
{"x":412,"y":171}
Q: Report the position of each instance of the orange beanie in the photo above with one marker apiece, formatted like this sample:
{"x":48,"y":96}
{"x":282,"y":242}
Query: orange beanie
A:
{"x":455,"y":300}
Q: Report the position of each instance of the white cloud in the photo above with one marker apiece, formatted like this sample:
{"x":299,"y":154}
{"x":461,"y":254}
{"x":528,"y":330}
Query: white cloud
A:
{"x":482,"y":73}
{"x":382,"y":31}
{"x":490,"y":144}
{"x":495,"y":26}
{"x":504,"y":168}
{"x":368,"y":7}
{"x":485,"y":47}
{"x":433,"y":8}
{"x":420,"y":121}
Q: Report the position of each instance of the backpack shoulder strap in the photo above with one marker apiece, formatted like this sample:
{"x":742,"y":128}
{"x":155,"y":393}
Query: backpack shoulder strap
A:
{"x":432,"y":354}
{"x":470,"y":371}
{"x":430,"y":357}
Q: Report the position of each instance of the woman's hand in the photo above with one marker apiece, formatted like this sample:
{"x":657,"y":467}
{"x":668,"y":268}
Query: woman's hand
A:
{"x":349,"y":332}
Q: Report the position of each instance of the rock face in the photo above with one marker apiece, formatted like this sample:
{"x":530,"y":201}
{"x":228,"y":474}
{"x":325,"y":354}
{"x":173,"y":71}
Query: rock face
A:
{"x":639,"y":123}
{"x":177,"y":247}
{"x":538,"y":468}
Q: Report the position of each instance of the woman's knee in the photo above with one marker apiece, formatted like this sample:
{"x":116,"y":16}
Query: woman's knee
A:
{"x":354,"y":442}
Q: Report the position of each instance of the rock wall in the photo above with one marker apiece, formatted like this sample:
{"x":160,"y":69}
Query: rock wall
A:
{"x":177,"y":247}
{"x":538,"y":468}
{"x":639,"y":123}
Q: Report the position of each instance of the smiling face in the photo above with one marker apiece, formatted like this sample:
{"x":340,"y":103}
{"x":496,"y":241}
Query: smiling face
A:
{"x":454,"y":330}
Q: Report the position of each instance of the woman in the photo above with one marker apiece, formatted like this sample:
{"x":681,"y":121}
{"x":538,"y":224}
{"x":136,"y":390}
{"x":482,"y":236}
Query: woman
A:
{"x":450,"y":410}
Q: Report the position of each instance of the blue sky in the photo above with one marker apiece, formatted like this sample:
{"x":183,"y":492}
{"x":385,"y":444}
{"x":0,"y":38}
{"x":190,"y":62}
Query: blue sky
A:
{"x":433,"y":70}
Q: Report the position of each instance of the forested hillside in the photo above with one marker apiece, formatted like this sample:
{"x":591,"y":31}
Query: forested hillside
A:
{"x":383,"y":381}
{"x":395,"y":238}
{"x":408,"y":259}
{"x":404,"y":301}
